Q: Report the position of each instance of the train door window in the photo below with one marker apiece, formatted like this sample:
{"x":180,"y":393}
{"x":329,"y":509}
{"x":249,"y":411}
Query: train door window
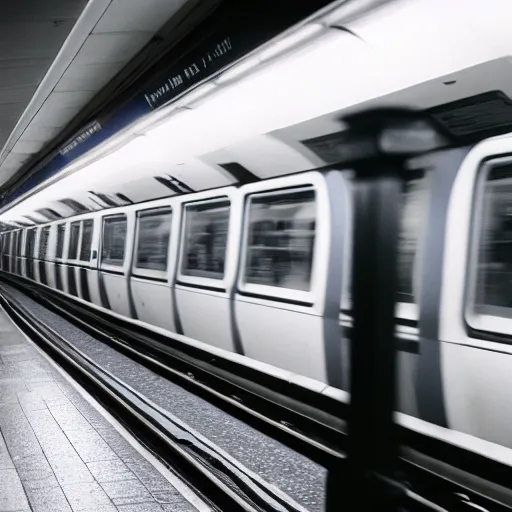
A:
{"x":491,"y":283}
{"x":205,"y":239}
{"x":85,"y":249}
{"x":73,"y":241}
{"x":280,"y":239}
{"x":43,"y":243}
{"x":414,"y":202}
{"x":153,"y":233}
{"x":114,"y":240}
{"x":61,"y":230}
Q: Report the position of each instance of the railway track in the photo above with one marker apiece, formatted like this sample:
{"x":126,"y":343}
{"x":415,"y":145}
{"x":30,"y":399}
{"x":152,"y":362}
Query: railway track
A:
{"x":288,"y":415}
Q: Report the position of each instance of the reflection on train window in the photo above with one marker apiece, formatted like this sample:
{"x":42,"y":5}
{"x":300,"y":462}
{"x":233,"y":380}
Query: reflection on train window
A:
{"x":73,"y":241}
{"x":154,"y":230}
{"x":114,"y":240}
{"x":85,"y":249}
{"x":281,"y":240}
{"x":206,"y":234}
{"x":29,"y":249}
{"x":61,"y":229}
{"x":493,"y":293}
{"x":43,"y":243}
{"x":412,"y":219}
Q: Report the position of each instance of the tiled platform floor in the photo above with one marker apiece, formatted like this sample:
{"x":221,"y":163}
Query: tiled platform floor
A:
{"x":59,"y":454}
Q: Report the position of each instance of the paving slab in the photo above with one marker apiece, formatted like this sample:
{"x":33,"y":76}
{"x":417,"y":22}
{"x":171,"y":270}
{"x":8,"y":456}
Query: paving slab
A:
{"x":59,"y":453}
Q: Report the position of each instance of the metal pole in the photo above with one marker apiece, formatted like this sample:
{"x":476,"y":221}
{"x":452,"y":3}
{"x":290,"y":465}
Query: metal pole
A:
{"x":376,"y":146}
{"x":366,"y":479}
{"x":372,"y":443}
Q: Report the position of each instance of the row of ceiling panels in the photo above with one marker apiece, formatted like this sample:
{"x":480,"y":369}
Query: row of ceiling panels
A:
{"x":107,"y":35}
{"x":31,"y":35}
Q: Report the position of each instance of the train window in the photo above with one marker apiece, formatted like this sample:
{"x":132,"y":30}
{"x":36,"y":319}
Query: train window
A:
{"x":205,"y":243}
{"x":154,"y":230}
{"x":43,"y":242}
{"x":85,"y":249}
{"x":411,"y":223}
{"x":281,"y":239}
{"x":114,"y":240}
{"x":493,"y":273}
{"x":61,"y":230}
{"x":73,"y":241}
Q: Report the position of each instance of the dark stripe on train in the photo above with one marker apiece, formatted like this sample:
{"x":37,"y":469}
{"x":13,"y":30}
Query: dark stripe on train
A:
{"x":201,"y":287}
{"x":84,"y":284}
{"x":148,"y":278}
{"x":58,"y":277}
{"x":42,"y":272}
{"x":72,"y":281}
{"x":271,"y":298}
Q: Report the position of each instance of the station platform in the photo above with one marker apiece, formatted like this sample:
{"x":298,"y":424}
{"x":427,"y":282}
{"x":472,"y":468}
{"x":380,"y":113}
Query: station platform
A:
{"x":61,"y":452}
{"x":266,"y":462}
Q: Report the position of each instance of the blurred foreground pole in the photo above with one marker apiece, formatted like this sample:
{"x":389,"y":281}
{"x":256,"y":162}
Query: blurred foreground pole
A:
{"x":372,"y":444}
{"x":378,"y":145}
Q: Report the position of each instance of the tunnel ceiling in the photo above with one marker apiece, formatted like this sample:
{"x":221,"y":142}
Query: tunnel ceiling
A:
{"x":31,"y":35}
{"x":55,"y":56}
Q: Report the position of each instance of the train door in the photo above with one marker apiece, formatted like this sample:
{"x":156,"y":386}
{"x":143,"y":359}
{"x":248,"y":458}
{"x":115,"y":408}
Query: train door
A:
{"x":210,"y":229}
{"x":42,"y":255}
{"x":12,"y":252}
{"x":116,"y":248}
{"x":290,"y":274}
{"x":48,"y":254}
{"x":6,"y":251}
{"x":19,"y":247}
{"x":72,"y":258}
{"x":2,"y":248}
{"x":23,"y":260}
{"x":151,"y":268}
{"x":476,"y":305}
{"x":29,"y":253}
{"x":89,"y":284}
{"x":59,"y":267}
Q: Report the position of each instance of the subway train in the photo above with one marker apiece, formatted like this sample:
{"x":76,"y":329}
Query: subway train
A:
{"x":242,"y":246}
{"x":263,"y":270}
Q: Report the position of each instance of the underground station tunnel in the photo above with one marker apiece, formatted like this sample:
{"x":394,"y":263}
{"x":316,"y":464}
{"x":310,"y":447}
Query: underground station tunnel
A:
{"x":255,"y":256}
